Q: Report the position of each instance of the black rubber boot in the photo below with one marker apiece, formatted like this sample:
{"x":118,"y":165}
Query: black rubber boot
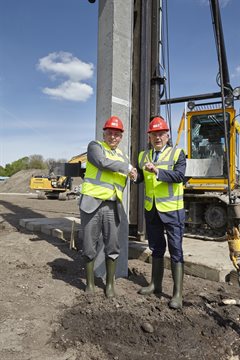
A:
{"x":110,"y":268}
{"x":90,"y":286}
{"x":177,"y":274}
{"x":155,"y":286}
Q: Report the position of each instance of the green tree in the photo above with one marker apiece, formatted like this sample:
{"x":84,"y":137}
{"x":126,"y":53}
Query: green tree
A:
{"x":16,"y":166}
{"x":36,"y":162}
{"x":2,"y":171}
{"x":31,"y":162}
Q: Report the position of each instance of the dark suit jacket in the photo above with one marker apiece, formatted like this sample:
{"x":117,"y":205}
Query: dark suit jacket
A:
{"x":177,"y":175}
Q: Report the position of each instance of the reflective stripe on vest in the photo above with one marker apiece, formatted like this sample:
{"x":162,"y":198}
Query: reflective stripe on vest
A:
{"x":168,"y":196}
{"x":105,"y":184}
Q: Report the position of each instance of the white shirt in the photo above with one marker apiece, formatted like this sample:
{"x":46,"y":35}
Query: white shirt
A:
{"x":154,"y":156}
{"x":158,"y":151}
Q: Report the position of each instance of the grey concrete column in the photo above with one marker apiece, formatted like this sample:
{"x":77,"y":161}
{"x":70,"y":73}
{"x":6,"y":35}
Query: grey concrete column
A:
{"x":114,"y":89}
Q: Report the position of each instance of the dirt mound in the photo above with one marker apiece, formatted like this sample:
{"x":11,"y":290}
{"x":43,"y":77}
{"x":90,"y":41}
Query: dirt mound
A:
{"x":19,"y":182}
{"x":135,"y":327}
{"x":45,"y":313}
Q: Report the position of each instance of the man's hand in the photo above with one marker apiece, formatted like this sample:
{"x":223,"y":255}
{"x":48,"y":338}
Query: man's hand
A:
{"x":133,"y":174}
{"x":151,"y":168}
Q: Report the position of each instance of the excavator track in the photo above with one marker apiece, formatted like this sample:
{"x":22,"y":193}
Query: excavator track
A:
{"x":206,"y":216}
{"x":204,"y":234}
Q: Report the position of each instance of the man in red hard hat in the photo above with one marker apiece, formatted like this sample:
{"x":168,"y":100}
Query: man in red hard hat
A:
{"x":157,"y":124}
{"x":101,"y":201}
{"x":113,"y":123}
{"x":163,"y":170}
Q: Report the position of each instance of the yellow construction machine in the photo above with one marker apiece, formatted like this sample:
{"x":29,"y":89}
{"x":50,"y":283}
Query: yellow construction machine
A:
{"x":58,"y":184}
{"x":212,"y":183}
{"x":212,"y":190}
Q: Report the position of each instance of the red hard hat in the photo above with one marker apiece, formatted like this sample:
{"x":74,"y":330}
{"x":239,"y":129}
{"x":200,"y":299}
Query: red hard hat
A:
{"x":113,"y":123}
{"x":157,"y":124}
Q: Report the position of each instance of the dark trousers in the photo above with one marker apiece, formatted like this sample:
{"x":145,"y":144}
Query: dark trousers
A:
{"x":173,"y":224}
{"x":103,"y":221}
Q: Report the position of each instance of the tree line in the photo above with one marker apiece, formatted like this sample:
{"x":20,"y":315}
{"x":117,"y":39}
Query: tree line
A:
{"x":29,"y":162}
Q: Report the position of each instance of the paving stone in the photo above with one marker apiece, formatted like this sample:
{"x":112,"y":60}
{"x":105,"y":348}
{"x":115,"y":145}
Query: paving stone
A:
{"x":204,"y":259}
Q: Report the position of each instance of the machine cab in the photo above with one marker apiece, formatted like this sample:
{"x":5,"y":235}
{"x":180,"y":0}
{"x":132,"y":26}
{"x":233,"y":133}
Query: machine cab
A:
{"x":206,"y":148}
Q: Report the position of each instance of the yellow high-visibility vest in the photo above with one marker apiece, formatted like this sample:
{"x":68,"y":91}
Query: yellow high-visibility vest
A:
{"x":167,"y":196}
{"x":105,"y":184}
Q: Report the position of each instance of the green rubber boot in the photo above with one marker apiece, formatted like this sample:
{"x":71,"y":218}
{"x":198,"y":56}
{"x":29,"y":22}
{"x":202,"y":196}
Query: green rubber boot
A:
{"x":155,"y":286}
{"x":110,"y":268}
{"x":89,"y":267}
{"x":177,"y":274}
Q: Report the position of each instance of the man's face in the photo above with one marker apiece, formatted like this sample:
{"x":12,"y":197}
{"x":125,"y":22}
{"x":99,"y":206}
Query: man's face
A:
{"x":158,"y":139}
{"x":112,"y":137}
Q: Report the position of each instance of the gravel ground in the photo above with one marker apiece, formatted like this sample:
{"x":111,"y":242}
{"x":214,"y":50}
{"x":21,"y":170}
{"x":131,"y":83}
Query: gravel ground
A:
{"x":45,"y":313}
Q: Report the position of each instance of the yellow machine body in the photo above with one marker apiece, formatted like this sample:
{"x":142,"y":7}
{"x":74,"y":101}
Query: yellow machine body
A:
{"x":58,"y":182}
{"x":208,"y":209}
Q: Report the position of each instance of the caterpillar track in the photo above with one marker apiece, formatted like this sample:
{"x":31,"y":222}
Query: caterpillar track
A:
{"x":208,"y":215}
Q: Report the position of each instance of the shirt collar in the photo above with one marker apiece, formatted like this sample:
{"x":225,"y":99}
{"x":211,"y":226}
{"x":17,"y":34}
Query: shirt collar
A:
{"x":160,"y":151}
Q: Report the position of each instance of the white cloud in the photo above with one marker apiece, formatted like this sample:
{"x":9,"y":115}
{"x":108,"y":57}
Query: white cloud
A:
{"x":69,"y":90}
{"x":64,"y":64}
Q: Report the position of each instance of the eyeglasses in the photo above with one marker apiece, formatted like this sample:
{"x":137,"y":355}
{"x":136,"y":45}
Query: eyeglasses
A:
{"x":114,"y":133}
{"x":158,"y":134}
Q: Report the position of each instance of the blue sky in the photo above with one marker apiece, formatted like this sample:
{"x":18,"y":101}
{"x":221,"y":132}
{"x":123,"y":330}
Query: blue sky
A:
{"x":48,"y":63}
{"x":193,"y":55}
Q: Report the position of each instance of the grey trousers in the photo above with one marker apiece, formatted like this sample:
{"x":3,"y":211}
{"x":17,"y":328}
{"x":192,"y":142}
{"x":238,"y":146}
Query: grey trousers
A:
{"x":103,"y":221}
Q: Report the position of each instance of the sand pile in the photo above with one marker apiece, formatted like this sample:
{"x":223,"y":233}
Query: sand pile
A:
{"x":19,"y":182}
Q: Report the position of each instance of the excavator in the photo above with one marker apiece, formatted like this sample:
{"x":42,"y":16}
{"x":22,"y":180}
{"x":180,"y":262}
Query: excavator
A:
{"x":208,"y":171}
{"x":210,"y":126}
{"x":58,"y":184}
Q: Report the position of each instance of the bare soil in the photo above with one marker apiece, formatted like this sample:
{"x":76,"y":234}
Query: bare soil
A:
{"x":46,"y":315}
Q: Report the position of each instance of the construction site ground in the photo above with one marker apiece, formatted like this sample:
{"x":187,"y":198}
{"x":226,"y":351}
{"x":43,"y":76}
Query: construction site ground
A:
{"x":46,"y":315}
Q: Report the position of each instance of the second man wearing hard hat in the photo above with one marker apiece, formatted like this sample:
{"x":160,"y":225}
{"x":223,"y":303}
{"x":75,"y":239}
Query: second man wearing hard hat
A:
{"x":163,"y":170}
{"x":101,"y":201}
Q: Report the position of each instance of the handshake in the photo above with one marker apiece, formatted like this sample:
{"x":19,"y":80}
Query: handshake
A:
{"x":133,"y":174}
